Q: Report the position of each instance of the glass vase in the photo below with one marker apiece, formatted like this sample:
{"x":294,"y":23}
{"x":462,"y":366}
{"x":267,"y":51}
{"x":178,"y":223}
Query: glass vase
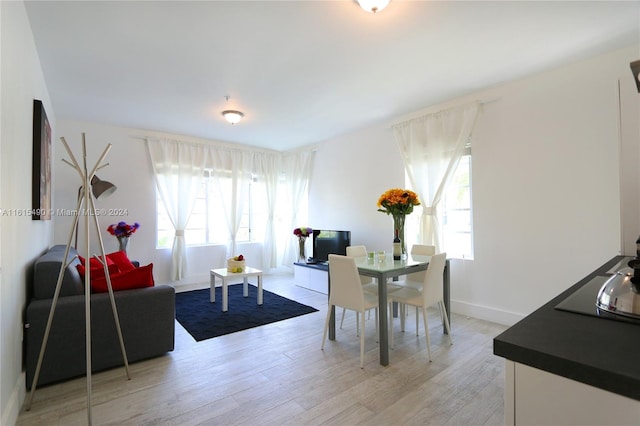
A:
{"x":301,"y":254}
{"x":123,"y":242}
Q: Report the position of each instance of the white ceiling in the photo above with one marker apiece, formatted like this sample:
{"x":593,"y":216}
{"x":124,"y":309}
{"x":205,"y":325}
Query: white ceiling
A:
{"x":301,"y":71}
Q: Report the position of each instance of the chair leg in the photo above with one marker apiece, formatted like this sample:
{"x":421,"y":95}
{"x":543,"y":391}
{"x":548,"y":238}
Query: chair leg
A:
{"x":426,"y":330}
{"x":445,"y":318}
{"x":377,"y":325}
{"x":362,"y":341}
{"x":326,"y":327}
{"x":417,"y":322}
{"x":357,"y":321}
{"x":402,"y":315}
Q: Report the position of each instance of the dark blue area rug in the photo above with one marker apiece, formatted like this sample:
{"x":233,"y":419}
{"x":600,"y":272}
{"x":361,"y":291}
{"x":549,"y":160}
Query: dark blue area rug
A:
{"x":204,"y":320}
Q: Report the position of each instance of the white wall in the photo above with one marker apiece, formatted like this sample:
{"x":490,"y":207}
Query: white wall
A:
{"x":22,"y":240}
{"x":350,"y":172}
{"x":546,"y":187}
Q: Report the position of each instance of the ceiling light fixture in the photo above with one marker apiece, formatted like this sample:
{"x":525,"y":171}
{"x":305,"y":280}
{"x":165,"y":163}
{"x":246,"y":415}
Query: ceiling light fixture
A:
{"x":373,"y":6}
{"x":232,"y":116}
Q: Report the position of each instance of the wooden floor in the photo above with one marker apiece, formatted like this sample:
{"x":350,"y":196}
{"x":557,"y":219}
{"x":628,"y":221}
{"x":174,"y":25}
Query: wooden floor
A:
{"x":277,"y":375}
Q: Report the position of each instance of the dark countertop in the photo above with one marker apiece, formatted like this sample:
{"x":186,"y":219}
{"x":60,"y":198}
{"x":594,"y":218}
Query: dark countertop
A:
{"x":597,"y":351}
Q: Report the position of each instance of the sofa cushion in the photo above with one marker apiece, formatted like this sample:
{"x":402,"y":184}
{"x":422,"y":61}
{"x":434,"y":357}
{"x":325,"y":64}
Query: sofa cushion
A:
{"x":47,"y":268}
{"x":125,"y":280}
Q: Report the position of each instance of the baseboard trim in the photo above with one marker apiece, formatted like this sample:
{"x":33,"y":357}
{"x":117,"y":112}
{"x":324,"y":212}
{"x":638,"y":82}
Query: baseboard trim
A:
{"x":187,"y":281}
{"x":11,"y":411}
{"x":485,"y":313}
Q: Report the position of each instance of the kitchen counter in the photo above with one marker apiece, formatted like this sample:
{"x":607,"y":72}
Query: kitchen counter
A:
{"x":596,"y":351}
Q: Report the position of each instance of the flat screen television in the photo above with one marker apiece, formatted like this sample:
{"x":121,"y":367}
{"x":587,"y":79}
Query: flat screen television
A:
{"x":329,"y":242}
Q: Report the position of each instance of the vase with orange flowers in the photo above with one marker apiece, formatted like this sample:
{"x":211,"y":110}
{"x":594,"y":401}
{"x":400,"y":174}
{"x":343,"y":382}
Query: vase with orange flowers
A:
{"x":398,"y":203}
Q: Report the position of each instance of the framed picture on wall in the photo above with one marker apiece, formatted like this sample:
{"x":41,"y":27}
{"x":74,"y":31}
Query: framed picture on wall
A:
{"x":41,"y":179}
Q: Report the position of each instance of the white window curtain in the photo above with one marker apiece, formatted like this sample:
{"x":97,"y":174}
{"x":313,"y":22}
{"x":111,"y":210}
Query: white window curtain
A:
{"x":232,"y":170}
{"x":298,"y":167}
{"x":431,"y":148}
{"x":268,"y":168}
{"x":179,"y":169}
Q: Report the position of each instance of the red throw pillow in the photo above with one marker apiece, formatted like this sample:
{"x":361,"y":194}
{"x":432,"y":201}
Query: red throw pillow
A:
{"x":97,"y":272}
{"x":126,"y":280}
{"x":94,"y":262}
{"x":121,"y":260}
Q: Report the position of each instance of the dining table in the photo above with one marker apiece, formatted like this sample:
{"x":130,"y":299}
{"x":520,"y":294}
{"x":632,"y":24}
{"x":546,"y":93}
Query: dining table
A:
{"x":385,"y":269}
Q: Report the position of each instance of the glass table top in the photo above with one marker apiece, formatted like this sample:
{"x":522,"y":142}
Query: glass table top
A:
{"x":388,"y":264}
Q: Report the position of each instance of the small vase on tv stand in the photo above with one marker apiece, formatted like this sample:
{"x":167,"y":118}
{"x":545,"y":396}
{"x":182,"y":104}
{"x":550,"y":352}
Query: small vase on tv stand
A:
{"x":301,"y":254}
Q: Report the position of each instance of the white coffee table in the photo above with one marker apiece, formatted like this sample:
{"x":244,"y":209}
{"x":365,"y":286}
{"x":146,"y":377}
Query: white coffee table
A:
{"x":227,"y":276}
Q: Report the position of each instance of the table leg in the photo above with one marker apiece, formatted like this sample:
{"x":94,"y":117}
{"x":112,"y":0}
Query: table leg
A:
{"x":383,"y":326}
{"x":212,"y":283}
{"x":260,"y":289}
{"x":225,"y":296}
{"x":245,"y":286}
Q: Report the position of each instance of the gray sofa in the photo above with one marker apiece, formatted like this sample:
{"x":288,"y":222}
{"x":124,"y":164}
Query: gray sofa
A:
{"x":146,"y":318}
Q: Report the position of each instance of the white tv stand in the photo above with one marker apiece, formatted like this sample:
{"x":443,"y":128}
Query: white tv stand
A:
{"x":312,"y":276}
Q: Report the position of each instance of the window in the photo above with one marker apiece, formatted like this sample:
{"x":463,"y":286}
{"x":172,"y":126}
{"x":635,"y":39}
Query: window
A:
{"x":207,"y":223}
{"x":457,"y":226}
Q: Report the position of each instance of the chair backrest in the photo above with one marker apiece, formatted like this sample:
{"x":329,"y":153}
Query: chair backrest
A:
{"x":356,"y":251}
{"x":359,"y":251}
{"x":420,"y":250}
{"x":423,"y":250}
{"x":432,"y":286}
{"x":345,"y":287}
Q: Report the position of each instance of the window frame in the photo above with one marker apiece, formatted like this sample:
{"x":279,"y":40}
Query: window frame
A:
{"x":206,"y":193}
{"x":466,"y":253}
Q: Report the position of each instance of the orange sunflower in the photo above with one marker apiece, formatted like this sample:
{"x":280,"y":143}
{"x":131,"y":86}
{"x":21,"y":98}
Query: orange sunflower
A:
{"x":398,"y":201}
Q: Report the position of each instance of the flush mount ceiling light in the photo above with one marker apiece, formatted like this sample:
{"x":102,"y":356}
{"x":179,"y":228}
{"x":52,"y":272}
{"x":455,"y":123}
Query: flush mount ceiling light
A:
{"x":373,"y":6}
{"x":232,"y":116}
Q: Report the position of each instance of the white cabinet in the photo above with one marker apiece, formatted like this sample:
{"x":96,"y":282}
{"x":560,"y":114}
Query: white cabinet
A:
{"x":312,"y":278}
{"x":537,"y":397}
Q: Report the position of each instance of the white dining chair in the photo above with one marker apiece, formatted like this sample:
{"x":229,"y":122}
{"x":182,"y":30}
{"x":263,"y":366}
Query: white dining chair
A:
{"x":432,"y":293}
{"x":360,"y":252}
{"x":368,"y":283}
{"x":416,"y":278}
{"x":346,"y":291}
